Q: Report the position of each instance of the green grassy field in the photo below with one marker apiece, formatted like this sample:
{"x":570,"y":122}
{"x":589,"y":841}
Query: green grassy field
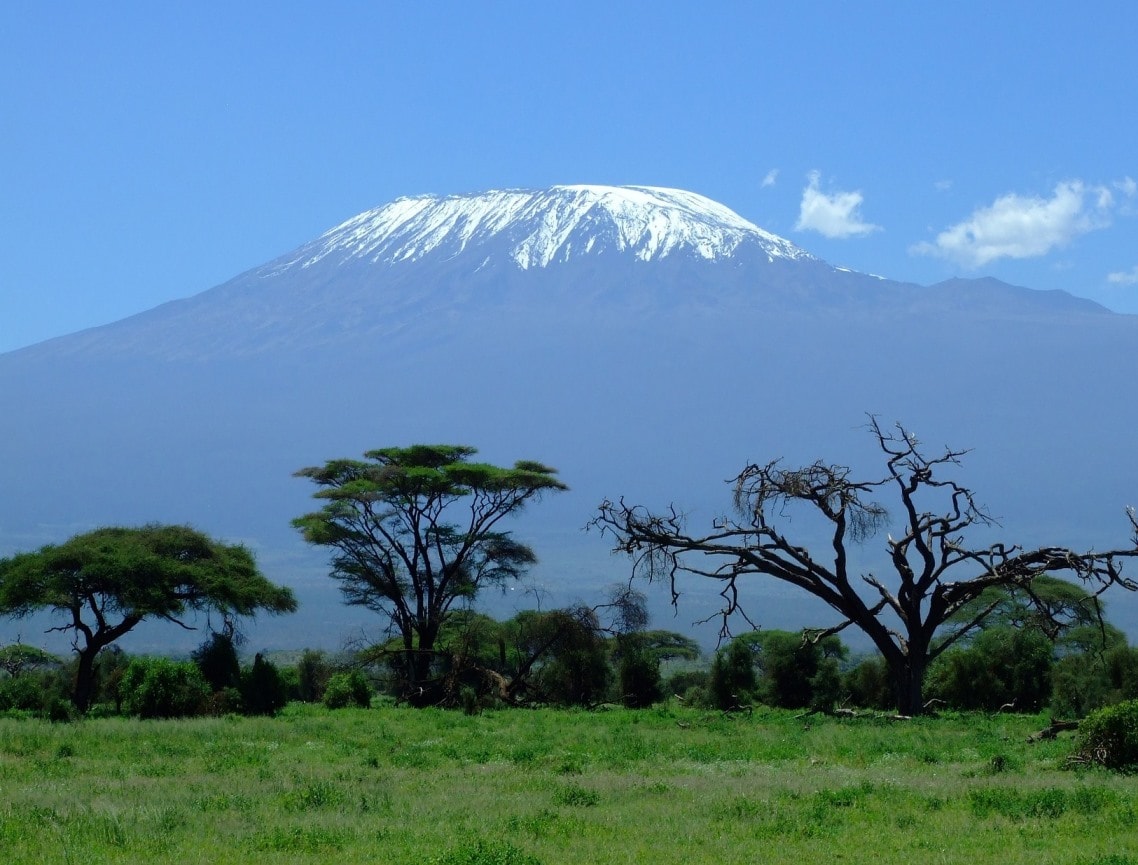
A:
{"x":521,"y":787}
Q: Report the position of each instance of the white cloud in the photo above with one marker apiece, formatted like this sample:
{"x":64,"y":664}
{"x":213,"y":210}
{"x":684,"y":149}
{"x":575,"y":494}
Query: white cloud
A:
{"x":1123,"y":277}
{"x":943,"y":185}
{"x":836,"y":215}
{"x":1016,"y":226}
{"x":770,"y":179}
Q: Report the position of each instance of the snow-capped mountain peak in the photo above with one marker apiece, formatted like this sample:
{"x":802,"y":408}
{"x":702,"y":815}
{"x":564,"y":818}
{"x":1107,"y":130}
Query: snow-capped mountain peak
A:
{"x":535,"y":228}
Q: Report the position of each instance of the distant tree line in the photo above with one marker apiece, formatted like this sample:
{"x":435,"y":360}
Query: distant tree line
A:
{"x":559,"y":657}
{"x":416,"y":534}
{"x":579,"y":656}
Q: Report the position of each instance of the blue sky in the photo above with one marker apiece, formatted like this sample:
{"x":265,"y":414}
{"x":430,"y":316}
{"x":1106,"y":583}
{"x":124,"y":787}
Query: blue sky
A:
{"x":151,"y":151}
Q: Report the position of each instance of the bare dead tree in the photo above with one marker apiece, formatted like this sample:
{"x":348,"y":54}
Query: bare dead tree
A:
{"x":936,"y":572}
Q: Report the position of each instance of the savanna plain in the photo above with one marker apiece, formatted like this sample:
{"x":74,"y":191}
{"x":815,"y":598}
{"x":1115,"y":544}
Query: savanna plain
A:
{"x":520,"y":787}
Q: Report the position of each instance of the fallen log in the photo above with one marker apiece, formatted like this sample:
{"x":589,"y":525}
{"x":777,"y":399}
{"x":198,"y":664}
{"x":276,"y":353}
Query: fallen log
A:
{"x":1054,"y":730}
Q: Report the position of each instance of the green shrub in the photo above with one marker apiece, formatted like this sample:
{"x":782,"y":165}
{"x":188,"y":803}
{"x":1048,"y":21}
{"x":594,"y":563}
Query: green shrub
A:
{"x":312,"y":674}
{"x":732,"y":681}
{"x":639,"y":673}
{"x":1089,"y":680}
{"x":347,"y":689}
{"x":690,"y":686}
{"x":1002,"y":666}
{"x":162,"y":688}
{"x":21,"y":693}
{"x":61,"y":711}
{"x":110,"y":667}
{"x":217,"y":659}
{"x":263,"y":688}
{"x":870,"y":685}
{"x":1109,"y":737}
{"x":227,"y":701}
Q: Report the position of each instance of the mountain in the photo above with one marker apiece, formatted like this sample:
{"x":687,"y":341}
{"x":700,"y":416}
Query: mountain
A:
{"x":648,"y":342}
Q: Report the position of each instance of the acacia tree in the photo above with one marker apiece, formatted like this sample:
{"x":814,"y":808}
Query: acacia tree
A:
{"x":936,"y":572}
{"x":415,"y":530}
{"x":104,"y":582}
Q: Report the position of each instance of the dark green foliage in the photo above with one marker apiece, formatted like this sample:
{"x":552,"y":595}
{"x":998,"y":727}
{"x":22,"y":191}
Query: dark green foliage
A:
{"x":1044,"y":645}
{"x":414,"y":531}
{"x":30,"y":679}
{"x":217,"y":659}
{"x":60,"y":710}
{"x":868,"y":685}
{"x":732,"y":682}
{"x":1090,"y":680}
{"x":1109,"y":737}
{"x":779,"y":668}
{"x":691,"y":686}
{"x":1003,"y":667}
{"x":109,"y":671}
{"x":227,"y":701}
{"x":826,"y":686}
{"x":577,"y":796}
{"x":558,"y":657}
{"x":1064,"y":611}
{"x":347,"y":689}
{"x":163,"y":688}
{"x":22,"y":693}
{"x":470,"y":660}
{"x":312,"y":674}
{"x":1048,"y":803}
{"x":639,"y":672}
{"x":578,"y":673}
{"x":103,"y":583}
{"x":263,"y":688}
{"x":795,"y":670}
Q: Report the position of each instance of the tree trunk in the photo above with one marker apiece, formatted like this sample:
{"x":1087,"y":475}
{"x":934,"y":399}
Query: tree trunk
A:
{"x":85,"y":679}
{"x":419,"y":689}
{"x":909,"y":681}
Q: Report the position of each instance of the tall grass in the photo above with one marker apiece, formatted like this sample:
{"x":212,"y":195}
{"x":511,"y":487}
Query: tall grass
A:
{"x":661,"y":785}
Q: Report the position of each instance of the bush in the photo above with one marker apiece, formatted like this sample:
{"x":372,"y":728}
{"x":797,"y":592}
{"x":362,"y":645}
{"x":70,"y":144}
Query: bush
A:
{"x":689,"y":685}
{"x":1003,"y":666}
{"x":778,"y":668}
{"x":347,"y":689}
{"x":217,"y":659}
{"x":1090,"y":680}
{"x":312,"y":674}
{"x":639,"y":673}
{"x":227,"y":701}
{"x":1109,"y":737}
{"x":576,"y":669}
{"x":870,"y":685}
{"x":110,"y":667}
{"x":263,"y":688}
{"x":162,"y":688}
{"x":732,"y":681}
{"x":21,"y":693}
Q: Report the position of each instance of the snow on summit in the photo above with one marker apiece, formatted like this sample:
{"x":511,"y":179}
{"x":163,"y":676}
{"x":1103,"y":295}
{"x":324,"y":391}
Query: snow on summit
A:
{"x":535,"y":228}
